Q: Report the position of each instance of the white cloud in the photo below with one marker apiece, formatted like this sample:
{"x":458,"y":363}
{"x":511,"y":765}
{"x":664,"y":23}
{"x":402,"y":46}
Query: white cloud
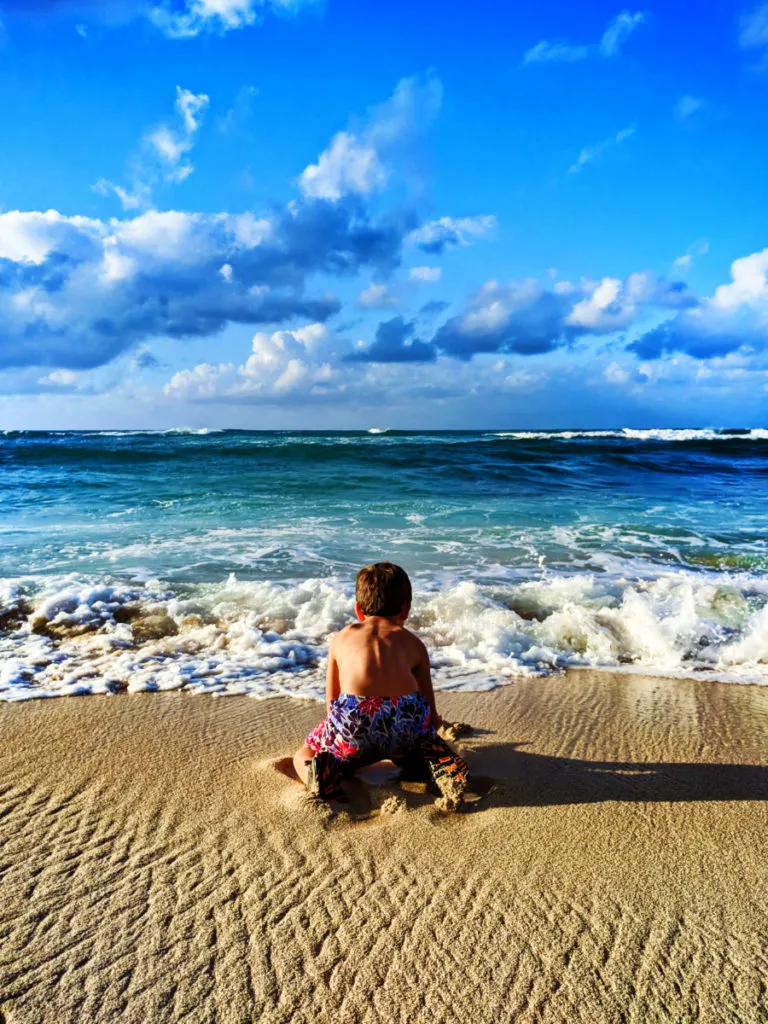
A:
{"x":201,"y":382}
{"x":687,"y":106}
{"x":347,"y":166}
{"x":591,"y":154}
{"x":556,"y":50}
{"x":163,"y":153}
{"x":139,"y":198}
{"x":734,"y":318}
{"x":30,"y":237}
{"x":377,"y":296}
{"x":198,"y":16}
{"x":190,"y":106}
{"x":435,"y":235}
{"x":60,"y":378}
{"x":619,"y":30}
{"x":616,"y":374}
{"x":425,"y":275}
{"x":753,"y":34}
{"x":748,"y":287}
{"x":281,"y":364}
{"x":684,"y":263}
{"x":611,"y":43}
{"x":602,"y":310}
{"x":356,"y":162}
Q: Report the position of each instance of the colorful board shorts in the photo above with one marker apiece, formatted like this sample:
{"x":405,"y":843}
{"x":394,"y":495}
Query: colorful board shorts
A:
{"x":362,"y":730}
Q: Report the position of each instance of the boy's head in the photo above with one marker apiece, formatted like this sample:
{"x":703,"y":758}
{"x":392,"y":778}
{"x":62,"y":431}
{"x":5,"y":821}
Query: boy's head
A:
{"x":383,"y":589}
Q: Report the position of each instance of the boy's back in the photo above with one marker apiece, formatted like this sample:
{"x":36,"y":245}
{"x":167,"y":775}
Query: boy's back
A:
{"x":379,"y":658}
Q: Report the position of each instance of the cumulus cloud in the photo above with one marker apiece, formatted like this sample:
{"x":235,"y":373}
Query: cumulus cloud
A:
{"x":437,"y":235}
{"x":395,"y":343}
{"x":425,"y":275}
{"x":75,"y":292}
{"x":357,"y":161}
{"x":611,"y":43}
{"x":280,"y":365}
{"x":162,"y":155}
{"x":591,"y":154}
{"x":735,"y":317}
{"x":526,"y":318}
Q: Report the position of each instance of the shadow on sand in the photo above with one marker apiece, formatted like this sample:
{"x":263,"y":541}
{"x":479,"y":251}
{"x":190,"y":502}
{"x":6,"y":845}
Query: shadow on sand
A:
{"x":537,"y":780}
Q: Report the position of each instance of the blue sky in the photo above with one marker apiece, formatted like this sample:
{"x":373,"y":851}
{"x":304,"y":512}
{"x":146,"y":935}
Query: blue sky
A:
{"x":289,"y":213}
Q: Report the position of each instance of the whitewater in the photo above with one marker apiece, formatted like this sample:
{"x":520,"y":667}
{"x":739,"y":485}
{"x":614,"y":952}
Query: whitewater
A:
{"x":221,"y":561}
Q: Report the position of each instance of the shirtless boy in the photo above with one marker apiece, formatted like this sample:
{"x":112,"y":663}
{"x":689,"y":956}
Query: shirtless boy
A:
{"x":379,"y":697}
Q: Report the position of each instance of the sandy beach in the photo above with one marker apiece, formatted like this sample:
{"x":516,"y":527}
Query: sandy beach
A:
{"x":159,"y":864}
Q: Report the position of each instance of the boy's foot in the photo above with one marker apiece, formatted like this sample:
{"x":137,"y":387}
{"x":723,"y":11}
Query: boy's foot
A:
{"x":324,"y":776}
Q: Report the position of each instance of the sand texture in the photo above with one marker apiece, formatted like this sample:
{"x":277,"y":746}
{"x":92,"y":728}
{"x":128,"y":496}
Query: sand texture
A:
{"x":158,"y":864}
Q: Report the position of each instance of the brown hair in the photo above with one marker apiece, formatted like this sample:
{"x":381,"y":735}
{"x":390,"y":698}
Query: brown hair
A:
{"x":382,"y":589}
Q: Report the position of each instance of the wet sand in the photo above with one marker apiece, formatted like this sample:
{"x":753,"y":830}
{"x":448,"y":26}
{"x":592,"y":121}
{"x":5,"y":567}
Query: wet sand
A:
{"x":159,"y":864}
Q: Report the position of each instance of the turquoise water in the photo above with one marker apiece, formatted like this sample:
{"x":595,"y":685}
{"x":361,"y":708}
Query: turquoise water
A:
{"x":529,"y":552}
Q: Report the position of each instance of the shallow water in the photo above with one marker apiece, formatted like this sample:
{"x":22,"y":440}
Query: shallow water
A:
{"x":221,"y":561}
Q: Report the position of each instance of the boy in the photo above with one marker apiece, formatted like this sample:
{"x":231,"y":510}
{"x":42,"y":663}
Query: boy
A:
{"x":379,"y":696}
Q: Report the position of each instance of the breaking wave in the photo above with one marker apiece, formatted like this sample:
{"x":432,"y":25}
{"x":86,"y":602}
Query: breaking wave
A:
{"x":74,"y":635}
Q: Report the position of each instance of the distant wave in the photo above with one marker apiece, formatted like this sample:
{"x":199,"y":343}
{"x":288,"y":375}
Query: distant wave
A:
{"x":171,"y":431}
{"x":628,"y":433}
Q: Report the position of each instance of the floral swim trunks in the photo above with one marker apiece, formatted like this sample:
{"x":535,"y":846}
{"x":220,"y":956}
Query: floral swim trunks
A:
{"x":371,"y":728}
{"x":362,"y":730}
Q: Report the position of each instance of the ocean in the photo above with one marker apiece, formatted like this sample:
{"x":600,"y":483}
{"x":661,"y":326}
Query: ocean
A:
{"x":220,"y":562}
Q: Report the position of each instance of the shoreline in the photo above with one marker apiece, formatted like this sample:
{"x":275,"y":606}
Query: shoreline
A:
{"x":160,"y":865}
{"x":638,"y":671}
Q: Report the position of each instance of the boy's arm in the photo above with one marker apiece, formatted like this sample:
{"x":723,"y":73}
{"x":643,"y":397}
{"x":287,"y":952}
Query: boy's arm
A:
{"x":423,"y":674}
{"x":332,"y":687}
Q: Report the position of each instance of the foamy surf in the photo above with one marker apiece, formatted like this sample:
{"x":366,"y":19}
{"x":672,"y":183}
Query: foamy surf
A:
{"x":77,"y":636}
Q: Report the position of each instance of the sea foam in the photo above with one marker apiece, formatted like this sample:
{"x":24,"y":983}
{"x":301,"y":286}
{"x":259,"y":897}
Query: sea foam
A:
{"x":77,"y":636}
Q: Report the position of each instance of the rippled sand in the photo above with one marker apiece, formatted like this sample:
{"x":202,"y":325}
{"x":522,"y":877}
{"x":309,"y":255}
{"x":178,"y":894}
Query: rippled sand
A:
{"x":159,"y":864}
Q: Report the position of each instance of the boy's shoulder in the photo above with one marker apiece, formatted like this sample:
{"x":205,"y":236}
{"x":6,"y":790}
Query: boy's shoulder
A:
{"x":356,"y":629}
{"x":344,"y":634}
{"x":412,"y":638}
